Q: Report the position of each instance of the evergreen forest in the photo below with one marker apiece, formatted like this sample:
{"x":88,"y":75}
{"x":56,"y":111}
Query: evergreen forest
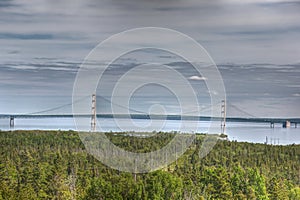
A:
{"x":55,"y":165}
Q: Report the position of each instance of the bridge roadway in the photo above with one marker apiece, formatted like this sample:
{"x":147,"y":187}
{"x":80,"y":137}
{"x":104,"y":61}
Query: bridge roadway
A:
{"x":168,"y":117}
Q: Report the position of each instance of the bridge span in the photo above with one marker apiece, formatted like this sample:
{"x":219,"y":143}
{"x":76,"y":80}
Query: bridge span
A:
{"x":136,"y":114}
{"x":286,"y":122}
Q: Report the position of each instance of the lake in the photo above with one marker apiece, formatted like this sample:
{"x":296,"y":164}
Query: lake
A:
{"x":239,"y":131}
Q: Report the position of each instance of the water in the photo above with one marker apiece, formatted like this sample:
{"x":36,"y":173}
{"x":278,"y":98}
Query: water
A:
{"x":240,"y":131}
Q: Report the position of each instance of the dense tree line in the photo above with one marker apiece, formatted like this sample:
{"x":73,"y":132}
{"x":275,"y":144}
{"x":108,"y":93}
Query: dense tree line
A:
{"x":55,"y":165}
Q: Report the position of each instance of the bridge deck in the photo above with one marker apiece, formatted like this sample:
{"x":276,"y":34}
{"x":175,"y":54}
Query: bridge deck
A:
{"x":168,"y":117}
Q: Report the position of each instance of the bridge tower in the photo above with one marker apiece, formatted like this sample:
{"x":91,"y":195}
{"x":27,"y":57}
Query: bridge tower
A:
{"x":94,"y":115}
{"x":223,"y":116}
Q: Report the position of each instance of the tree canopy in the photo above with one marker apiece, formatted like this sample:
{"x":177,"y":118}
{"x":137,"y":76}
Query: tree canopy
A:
{"x":55,"y":165}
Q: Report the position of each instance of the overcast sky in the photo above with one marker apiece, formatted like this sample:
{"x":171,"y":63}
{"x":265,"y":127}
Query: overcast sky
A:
{"x":255,"y":44}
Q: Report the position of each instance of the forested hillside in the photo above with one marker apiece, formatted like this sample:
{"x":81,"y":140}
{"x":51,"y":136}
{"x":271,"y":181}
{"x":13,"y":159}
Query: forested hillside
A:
{"x":55,"y":165}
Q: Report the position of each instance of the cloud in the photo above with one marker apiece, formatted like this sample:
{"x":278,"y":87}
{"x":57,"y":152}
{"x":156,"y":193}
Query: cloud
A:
{"x":5,"y":4}
{"x":263,"y":1}
{"x":35,"y":36}
{"x":47,"y":67}
{"x":23,"y":67}
{"x":294,"y":86}
{"x":197,"y":78}
{"x":39,"y":36}
{"x":263,"y":31}
{"x":232,"y":31}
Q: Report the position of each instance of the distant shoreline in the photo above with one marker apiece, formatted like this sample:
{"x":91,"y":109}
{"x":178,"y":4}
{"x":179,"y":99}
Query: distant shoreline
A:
{"x":142,"y":134}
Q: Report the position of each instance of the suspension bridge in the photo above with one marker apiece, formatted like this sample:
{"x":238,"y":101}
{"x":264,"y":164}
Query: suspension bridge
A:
{"x":137,"y":114}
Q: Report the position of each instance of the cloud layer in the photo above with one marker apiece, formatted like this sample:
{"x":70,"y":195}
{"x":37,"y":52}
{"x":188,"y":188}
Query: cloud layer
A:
{"x":255,"y":43}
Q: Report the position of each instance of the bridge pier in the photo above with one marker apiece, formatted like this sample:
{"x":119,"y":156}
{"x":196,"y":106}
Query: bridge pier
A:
{"x":11,"y":121}
{"x":286,"y":124}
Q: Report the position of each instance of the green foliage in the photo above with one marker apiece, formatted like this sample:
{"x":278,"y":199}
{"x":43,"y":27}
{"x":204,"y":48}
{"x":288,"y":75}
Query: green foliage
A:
{"x":162,"y":185}
{"x":294,"y":193}
{"x":55,"y":165}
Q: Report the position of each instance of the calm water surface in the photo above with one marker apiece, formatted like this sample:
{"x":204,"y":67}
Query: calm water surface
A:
{"x":240,"y":131}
